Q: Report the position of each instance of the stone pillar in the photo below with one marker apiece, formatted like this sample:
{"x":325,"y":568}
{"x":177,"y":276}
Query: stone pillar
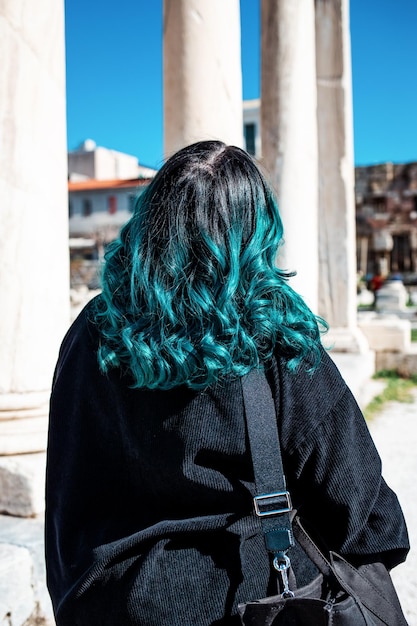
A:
{"x":289,"y":132}
{"x":202,"y":72}
{"x":34,"y":273}
{"x":337,"y":241}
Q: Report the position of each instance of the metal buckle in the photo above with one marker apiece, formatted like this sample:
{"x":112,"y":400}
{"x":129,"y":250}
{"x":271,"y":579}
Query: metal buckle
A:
{"x":264,"y":501}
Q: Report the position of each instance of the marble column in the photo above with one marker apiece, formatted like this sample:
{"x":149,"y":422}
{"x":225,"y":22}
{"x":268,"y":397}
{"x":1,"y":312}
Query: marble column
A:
{"x":202,"y":72}
{"x":337,"y":240}
{"x":34,"y":275}
{"x":289,"y":133}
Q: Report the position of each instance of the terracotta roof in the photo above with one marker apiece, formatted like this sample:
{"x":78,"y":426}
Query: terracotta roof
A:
{"x":95,"y":185}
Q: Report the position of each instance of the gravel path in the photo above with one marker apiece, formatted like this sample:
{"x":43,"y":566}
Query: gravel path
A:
{"x":394,"y":431}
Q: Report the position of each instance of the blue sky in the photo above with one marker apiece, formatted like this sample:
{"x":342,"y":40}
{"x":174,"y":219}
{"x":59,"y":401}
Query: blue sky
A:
{"x":114,"y":75}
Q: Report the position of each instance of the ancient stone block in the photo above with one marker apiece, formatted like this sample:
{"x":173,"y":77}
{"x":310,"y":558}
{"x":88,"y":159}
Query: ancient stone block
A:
{"x":22,"y":480}
{"x":387,"y":334}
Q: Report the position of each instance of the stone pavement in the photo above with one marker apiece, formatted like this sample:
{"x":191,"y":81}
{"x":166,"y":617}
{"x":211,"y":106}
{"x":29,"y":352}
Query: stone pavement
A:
{"x":28,"y":534}
{"x":395,"y":433}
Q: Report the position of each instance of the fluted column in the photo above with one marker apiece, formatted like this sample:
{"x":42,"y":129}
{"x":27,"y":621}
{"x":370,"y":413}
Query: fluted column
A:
{"x":337,"y":275}
{"x":289,"y":132}
{"x":202,"y":72}
{"x":33,"y":216}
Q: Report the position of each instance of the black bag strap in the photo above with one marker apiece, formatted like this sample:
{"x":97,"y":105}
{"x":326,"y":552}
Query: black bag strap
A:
{"x":273,"y":506}
{"x":272,"y":501}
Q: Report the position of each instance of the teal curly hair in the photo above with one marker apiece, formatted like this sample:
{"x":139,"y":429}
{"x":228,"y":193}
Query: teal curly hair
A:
{"x":191,"y":294}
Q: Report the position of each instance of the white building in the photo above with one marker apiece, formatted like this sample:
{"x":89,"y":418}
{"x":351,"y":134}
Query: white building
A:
{"x":92,"y":161}
{"x":98,"y":208}
{"x":103,"y":185}
{"x":97,"y":211}
{"x":252,"y":127}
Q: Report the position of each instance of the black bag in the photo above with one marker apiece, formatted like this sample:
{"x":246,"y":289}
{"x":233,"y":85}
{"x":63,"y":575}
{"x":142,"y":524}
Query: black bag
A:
{"x":341,"y":595}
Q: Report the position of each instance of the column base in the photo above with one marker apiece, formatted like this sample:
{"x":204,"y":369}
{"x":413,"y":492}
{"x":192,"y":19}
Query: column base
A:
{"x":357,"y":370}
{"x":23,"y":435}
{"x":345,"y":339}
{"x":23,"y":422}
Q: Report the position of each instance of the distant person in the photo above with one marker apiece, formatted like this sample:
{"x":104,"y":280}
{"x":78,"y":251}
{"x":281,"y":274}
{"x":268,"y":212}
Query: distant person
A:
{"x":150,"y":485}
{"x":376,"y":282}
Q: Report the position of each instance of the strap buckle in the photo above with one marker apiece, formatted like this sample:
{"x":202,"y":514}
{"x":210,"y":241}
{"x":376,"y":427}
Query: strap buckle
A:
{"x":272,"y":503}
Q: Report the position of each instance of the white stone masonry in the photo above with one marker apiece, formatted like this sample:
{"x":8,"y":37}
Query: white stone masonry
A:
{"x":202,"y":73}
{"x":337,"y":241}
{"x":33,"y":216}
{"x":289,"y":133}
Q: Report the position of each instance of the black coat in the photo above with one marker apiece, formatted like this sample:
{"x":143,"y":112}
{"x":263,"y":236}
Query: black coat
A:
{"x":149,"y":515}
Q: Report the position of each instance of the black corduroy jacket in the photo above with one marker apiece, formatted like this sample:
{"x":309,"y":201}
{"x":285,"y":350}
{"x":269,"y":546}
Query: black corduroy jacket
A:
{"x":149,"y":517}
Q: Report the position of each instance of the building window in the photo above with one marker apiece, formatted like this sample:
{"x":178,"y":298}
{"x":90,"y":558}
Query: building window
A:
{"x":70,"y":209}
{"x":87,"y":207}
{"x":249,"y":131}
{"x":380,"y":205}
{"x":401,"y":256}
{"x":131,"y":202}
{"x":112,"y":204}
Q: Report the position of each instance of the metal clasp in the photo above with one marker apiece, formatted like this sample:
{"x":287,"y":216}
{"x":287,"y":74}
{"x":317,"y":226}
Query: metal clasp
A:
{"x":282,"y":564}
{"x":272,"y":503}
